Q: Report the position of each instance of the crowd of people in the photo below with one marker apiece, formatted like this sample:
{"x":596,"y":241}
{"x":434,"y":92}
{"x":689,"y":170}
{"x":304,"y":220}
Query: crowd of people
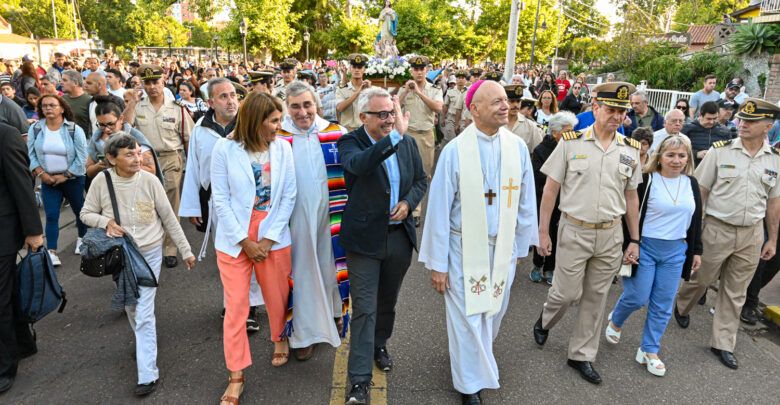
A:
{"x":309,"y":182}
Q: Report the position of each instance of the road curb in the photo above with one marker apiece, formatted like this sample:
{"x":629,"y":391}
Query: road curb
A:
{"x":773,"y":313}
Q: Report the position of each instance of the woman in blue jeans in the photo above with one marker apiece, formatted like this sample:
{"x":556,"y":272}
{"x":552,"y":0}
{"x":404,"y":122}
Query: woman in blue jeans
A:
{"x":58,"y":155}
{"x":670,"y":225}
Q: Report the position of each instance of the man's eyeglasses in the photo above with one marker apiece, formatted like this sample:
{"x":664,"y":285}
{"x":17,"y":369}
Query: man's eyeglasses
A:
{"x":382,"y":115}
{"x":108,"y":125}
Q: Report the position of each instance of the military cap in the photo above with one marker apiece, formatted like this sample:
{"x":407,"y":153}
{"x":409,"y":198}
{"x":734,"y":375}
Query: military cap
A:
{"x":262,"y":76}
{"x":150,"y":72}
{"x":526,"y":102}
{"x":289,"y":64}
{"x":514,"y":91}
{"x":754,"y":109}
{"x":357,"y":59}
{"x":494,"y":76}
{"x":306,"y":75}
{"x":615,"y":94}
{"x":418,"y":61}
{"x":476,"y":72}
{"x":462,"y":73}
{"x":241,"y":91}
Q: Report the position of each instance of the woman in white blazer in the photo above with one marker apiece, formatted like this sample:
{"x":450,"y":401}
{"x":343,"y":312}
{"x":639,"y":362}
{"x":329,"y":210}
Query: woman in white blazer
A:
{"x":253,"y":190}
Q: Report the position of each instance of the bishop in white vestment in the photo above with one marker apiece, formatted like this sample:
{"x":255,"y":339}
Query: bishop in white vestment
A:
{"x":486,"y":172}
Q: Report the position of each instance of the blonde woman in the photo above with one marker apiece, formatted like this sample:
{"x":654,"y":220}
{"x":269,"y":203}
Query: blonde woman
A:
{"x":670,"y":228}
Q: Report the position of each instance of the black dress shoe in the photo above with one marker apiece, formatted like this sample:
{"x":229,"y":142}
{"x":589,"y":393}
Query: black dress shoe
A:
{"x":703,"y":299}
{"x":382,"y":358}
{"x":727,"y":358}
{"x":748,"y":315}
{"x":171,"y":262}
{"x":416,"y":222}
{"x":6,"y":383}
{"x":145,"y":389}
{"x":471,"y":399}
{"x":586,"y":370}
{"x":540,"y":334}
{"x":683,"y":321}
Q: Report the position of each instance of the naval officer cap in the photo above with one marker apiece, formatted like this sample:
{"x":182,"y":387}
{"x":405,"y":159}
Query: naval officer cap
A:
{"x":615,"y":94}
{"x":260,"y":76}
{"x":493,"y":75}
{"x":241,"y":91}
{"x":754,"y":109}
{"x":150,"y":72}
{"x":462,"y":73}
{"x":289,"y":64}
{"x":476,"y":72}
{"x":357,"y":59}
{"x":514,"y":91}
{"x":419,"y":61}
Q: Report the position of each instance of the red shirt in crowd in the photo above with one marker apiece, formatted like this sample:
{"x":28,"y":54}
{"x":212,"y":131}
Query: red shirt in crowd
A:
{"x":563,"y":88}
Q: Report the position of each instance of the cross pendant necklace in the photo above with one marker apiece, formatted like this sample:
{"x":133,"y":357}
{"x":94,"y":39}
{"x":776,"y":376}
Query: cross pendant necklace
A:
{"x":490,"y":194}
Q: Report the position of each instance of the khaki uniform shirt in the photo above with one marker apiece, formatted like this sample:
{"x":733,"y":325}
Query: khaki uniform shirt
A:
{"x":165,"y":127}
{"x":421,"y":118}
{"x":527,"y":131}
{"x":738,"y":184}
{"x":451,"y":99}
{"x":281,"y":91}
{"x":350,"y":117}
{"x":593,"y":180}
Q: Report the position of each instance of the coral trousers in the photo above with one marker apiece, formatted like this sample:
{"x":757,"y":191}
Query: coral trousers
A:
{"x":236,"y":272}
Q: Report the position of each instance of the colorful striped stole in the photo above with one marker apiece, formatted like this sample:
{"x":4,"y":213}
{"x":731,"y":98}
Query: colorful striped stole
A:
{"x":337,"y":199}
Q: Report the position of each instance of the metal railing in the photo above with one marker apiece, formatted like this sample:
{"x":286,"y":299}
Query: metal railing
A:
{"x":665,"y":100}
{"x":770,"y":7}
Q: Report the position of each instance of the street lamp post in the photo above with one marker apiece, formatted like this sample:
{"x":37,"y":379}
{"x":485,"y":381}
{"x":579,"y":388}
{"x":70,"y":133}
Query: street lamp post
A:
{"x":306,"y":38}
{"x":216,"y":38}
{"x":84,"y":38}
{"x":242,"y":30}
{"x":170,"y":41}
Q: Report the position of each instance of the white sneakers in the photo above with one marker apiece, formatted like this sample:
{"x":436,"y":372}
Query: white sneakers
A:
{"x":78,"y":246}
{"x":654,"y":366}
{"x":54,"y":259}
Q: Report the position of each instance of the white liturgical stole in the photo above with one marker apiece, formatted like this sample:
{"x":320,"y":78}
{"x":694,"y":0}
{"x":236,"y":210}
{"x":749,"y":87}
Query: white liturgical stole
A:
{"x":485,"y":288}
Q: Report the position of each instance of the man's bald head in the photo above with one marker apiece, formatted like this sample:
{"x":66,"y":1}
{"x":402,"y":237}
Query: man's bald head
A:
{"x":489,"y":107}
{"x":95,"y":84}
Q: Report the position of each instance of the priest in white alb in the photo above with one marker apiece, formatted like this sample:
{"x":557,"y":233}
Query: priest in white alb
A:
{"x":481,"y":220}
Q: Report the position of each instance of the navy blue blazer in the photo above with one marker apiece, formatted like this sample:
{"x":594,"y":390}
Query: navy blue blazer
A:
{"x":364,"y":224}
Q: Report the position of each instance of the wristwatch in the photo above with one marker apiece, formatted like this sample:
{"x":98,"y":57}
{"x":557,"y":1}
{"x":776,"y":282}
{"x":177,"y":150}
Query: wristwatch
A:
{"x":638,"y":242}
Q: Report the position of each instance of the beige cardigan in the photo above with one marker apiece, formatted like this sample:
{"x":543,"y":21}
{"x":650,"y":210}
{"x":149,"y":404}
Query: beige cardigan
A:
{"x":152,"y":216}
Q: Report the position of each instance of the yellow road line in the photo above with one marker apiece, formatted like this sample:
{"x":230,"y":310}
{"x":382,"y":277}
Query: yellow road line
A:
{"x":338,"y":385}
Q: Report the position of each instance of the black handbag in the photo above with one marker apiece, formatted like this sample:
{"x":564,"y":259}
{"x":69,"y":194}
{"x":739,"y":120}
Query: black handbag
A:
{"x":113,"y":261}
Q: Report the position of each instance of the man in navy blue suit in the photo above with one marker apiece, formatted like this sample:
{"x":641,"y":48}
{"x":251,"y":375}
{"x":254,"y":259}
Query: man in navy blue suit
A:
{"x":385,"y":181}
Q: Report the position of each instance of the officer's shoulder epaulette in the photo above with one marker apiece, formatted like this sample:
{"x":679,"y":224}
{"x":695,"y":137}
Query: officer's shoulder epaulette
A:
{"x":775,"y":150}
{"x":344,"y":86}
{"x":569,"y":135}
{"x":436,"y":86}
{"x":633,"y":143}
{"x":720,"y":144}
{"x":178,"y":102}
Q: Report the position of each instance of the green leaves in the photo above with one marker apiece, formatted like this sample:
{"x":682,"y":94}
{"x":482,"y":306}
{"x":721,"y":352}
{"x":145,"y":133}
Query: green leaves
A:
{"x":751,"y":38}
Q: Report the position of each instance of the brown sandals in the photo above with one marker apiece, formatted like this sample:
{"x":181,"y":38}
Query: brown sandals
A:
{"x":280,"y":359}
{"x":234,"y":400}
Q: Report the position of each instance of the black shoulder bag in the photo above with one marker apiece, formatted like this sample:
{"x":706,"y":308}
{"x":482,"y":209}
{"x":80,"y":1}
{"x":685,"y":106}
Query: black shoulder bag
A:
{"x":113,"y":260}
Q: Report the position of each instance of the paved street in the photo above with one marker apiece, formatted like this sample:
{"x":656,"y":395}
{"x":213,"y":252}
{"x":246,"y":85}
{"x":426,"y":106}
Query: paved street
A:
{"x":86,"y":354}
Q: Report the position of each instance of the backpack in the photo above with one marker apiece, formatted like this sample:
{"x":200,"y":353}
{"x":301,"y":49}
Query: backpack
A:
{"x":37,"y":290}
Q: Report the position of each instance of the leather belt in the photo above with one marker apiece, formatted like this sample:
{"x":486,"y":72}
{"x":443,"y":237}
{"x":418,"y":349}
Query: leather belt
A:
{"x":168,"y":152}
{"x":600,"y":225}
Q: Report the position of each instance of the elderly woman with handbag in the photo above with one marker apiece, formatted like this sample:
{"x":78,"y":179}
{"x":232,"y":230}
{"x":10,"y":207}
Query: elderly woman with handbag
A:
{"x":670,"y":218}
{"x":253,"y":190}
{"x":146,"y":215}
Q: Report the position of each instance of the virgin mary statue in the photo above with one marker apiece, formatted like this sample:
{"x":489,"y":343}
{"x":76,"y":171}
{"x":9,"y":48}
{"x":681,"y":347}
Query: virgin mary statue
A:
{"x":384,"y":46}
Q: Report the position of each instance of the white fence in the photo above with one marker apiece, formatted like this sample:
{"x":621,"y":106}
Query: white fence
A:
{"x":665,"y":100}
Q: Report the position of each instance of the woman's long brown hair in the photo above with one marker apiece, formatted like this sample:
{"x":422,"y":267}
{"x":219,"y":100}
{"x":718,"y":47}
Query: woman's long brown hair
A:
{"x":249,"y":123}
